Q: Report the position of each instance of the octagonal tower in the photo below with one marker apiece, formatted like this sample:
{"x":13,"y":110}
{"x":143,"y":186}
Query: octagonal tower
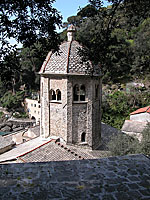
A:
{"x":71,"y":96}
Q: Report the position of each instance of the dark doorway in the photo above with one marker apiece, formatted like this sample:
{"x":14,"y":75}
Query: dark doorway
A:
{"x":83,"y":137}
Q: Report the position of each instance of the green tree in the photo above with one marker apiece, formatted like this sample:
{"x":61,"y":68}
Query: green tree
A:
{"x":141,"y":49}
{"x":10,"y":71}
{"x":100,"y":35}
{"x":115,"y":109}
{"x":28,"y":21}
{"x":12,"y":101}
{"x":87,"y":11}
{"x":117,"y":105}
{"x":31,"y":59}
{"x":123,"y":144}
{"x":144,"y":146}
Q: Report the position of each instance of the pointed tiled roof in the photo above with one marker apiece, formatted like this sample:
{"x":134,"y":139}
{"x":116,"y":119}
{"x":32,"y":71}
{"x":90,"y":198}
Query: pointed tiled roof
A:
{"x":141,"y":110}
{"x":68,"y":61}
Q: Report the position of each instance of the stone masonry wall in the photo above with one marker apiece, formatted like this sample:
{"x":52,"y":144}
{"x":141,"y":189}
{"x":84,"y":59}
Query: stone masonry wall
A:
{"x":79,"y":121}
{"x":58,"y":109}
{"x":69,"y":119}
{"x":96,"y":132}
{"x":44,"y":107}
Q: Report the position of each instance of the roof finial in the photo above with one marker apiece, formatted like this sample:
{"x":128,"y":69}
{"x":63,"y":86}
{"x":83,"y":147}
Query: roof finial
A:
{"x":71,"y":33}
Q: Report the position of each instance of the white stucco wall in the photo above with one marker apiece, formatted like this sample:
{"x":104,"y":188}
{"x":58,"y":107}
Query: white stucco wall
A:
{"x":33,"y":108}
{"x":141,"y":117}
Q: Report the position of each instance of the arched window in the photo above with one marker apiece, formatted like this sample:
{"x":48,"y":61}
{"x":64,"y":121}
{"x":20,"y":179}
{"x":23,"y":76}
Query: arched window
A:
{"x":58,"y":93}
{"x":79,"y":93}
{"x":52,"y":95}
{"x":33,"y":117}
{"x":76,"y":93}
{"x":82,"y":93}
{"x":83,"y":137}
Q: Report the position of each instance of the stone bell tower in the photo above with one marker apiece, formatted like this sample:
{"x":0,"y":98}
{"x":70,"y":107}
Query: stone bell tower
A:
{"x":71,"y":96}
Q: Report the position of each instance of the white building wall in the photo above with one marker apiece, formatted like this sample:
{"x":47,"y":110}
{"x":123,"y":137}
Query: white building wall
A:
{"x":33,"y":108}
{"x":141,"y":117}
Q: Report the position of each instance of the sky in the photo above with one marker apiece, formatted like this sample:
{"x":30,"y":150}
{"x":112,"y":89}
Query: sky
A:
{"x":69,"y":8}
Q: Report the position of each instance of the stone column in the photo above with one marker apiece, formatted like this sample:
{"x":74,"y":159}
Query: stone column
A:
{"x":45,"y":130}
{"x":89,"y":113}
{"x":69,"y":109}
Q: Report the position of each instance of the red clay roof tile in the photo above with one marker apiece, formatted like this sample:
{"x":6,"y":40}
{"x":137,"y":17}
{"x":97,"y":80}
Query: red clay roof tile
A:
{"x":141,"y":110}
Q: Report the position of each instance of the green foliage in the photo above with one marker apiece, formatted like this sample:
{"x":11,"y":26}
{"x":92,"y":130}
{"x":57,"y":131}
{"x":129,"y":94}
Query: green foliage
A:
{"x":21,"y":67}
{"x":144,"y":146}
{"x":112,"y":37}
{"x":141,"y":49}
{"x":31,"y":61}
{"x":20,"y":115}
{"x":11,"y":101}
{"x":1,"y":114}
{"x":115,"y":109}
{"x":28,"y":21}
{"x":87,"y":11}
{"x":123,"y":144}
{"x":75,"y":20}
{"x":117,"y":106}
{"x":10,"y":71}
{"x":2,"y":88}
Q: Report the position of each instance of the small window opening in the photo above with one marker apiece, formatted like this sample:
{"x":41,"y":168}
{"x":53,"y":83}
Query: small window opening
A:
{"x":76,"y":93}
{"x":83,"y":137}
{"x":96,"y":91}
{"x":82,"y":93}
{"x":52,"y":95}
{"x":58,"y":92}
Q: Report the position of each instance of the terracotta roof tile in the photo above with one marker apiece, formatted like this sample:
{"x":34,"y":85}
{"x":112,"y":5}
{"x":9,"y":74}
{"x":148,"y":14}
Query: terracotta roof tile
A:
{"x":52,"y":151}
{"x":141,"y":110}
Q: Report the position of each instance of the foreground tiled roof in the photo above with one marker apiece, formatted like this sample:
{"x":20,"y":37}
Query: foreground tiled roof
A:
{"x":37,"y":143}
{"x":55,"y":151}
{"x":114,"y":178}
{"x":67,"y":61}
{"x":141,"y":110}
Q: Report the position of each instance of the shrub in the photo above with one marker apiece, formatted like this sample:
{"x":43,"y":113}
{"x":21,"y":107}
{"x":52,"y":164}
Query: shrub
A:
{"x":122,"y":144}
{"x":115,"y":109}
{"x":20,"y":115}
{"x":12,"y":101}
{"x":117,"y":106}
{"x":144,"y":146}
{"x":1,"y":114}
